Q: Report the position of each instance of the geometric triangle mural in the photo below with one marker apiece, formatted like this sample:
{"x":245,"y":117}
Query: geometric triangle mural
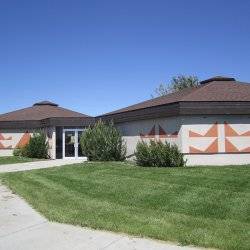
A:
{"x":230,"y":132}
{"x":231,"y":148}
{"x":164,"y":134}
{"x":3,"y":138}
{"x":212,"y":132}
{"x":228,"y":144}
{"x":24,"y":140}
{"x":4,"y":147}
{"x":211,"y":149}
{"x":151,"y":133}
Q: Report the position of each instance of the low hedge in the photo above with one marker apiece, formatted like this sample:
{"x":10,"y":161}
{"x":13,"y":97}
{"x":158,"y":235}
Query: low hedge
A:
{"x":158,"y":154}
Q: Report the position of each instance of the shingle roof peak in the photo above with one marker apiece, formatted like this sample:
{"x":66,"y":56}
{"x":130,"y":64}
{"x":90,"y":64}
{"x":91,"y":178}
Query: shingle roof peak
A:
{"x":216,"y":89}
{"x":218,"y":78}
{"x":47,"y":103}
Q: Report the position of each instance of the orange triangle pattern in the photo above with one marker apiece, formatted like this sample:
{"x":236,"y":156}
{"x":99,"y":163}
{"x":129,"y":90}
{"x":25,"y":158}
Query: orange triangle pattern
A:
{"x":211,"y":149}
{"x":212,"y":132}
{"x":162,"y":131}
{"x":230,"y":132}
{"x":151,"y":133}
{"x":163,"y":134}
{"x":193,"y":150}
{"x":231,"y":148}
{"x":24,"y":140}
{"x":246,"y":134}
{"x":194,"y":134}
{"x":3,"y":138}
{"x":3,"y":147}
{"x":246,"y":150}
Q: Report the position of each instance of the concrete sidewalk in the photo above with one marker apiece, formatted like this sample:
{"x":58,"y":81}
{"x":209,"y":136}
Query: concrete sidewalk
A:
{"x":22,"y":228}
{"x":36,"y":165}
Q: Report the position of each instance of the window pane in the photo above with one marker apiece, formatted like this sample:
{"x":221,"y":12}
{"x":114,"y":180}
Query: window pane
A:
{"x":69,"y":143}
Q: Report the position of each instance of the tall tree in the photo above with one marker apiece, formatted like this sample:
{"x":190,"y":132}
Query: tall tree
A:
{"x":176,"y":84}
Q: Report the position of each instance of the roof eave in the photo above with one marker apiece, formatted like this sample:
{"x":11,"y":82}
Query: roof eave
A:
{"x":215,"y":108}
{"x":49,"y":122}
{"x":142,"y":114}
{"x":181,"y":108}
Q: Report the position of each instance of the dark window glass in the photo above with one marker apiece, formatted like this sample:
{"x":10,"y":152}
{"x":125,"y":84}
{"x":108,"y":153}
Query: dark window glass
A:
{"x":80,"y":154}
{"x":59,"y":142}
{"x":69,"y":143}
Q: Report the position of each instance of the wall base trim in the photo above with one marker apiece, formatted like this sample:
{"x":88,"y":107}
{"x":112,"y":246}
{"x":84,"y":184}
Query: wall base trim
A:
{"x":217,"y":159}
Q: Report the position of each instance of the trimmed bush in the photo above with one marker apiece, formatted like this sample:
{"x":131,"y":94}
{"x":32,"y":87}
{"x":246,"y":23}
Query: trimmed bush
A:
{"x":103,"y":142}
{"x":22,"y":152}
{"x":158,"y":154}
{"x":17,"y":152}
{"x":36,"y":148}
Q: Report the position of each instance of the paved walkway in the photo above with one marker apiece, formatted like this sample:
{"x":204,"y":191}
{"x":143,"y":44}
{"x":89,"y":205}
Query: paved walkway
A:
{"x":22,"y":228}
{"x":35,"y":165}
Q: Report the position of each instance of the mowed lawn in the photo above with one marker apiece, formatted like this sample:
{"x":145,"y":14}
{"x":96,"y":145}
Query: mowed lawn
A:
{"x":14,"y":159}
{"x":200,"y":206}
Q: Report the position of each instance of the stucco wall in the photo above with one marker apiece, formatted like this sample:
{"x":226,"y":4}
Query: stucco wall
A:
{"x":15,"y":138}
{"x":11,"y":139}
{"x":161,"y":129}
{"x":215,"y":134}
{"x":210,"y":137}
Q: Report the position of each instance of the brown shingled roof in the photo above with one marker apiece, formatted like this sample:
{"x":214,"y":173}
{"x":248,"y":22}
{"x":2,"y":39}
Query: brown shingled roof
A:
{"x":43,"y":114}
{"x":216,"y":89}
{"x":40,"y":111}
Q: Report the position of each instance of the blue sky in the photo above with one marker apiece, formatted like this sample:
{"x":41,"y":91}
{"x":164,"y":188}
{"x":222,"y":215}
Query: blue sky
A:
{"x":98,"y":56}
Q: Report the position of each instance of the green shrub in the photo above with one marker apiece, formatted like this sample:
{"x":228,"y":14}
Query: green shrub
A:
{"x":21,"y":152}
{"x":17,"y":152}
{"x":36,"y":148}
{"x":158,"y":154}
{"x":103,"y":142}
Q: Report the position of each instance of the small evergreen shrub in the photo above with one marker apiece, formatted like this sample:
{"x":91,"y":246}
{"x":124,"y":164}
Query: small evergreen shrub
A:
{"x":17,"y":152}
{"x":36,"y":148}
{"x":158,"y":154}
{"x":103,"y":142}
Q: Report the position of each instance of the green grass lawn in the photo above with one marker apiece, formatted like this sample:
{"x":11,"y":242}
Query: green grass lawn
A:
{"x":14,"y":159}
{"x":207,"y":207}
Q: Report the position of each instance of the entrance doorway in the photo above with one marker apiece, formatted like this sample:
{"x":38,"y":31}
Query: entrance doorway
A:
{"x":71,"y":144}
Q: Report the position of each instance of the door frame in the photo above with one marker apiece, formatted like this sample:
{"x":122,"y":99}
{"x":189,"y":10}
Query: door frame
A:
{"x":75,"y":144}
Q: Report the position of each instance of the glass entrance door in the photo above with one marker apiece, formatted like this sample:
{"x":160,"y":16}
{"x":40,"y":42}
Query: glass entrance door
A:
{"x":79,"y":133}
{"x":71,"y":143}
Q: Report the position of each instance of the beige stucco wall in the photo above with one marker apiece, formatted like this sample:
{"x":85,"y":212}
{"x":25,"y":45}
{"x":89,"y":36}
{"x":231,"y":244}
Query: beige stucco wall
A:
{"x":215,"y":134}
{"x":13,"y":138}
{"x":205,"y":140}
{"x":150,"y":129}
